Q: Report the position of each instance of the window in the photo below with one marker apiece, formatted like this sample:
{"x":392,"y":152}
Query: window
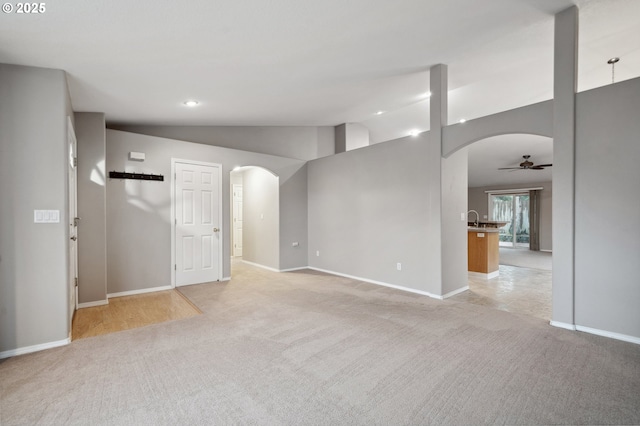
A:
{"x":513,"y":209}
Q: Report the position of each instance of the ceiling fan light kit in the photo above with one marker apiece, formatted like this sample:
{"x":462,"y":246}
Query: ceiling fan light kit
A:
{"x":527,"y":165}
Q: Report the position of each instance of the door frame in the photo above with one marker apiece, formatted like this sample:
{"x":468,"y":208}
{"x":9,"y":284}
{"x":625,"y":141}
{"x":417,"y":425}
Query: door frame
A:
{"x":234,"y":213}
{"x":72,"y":219}
{"x":174,"y":161}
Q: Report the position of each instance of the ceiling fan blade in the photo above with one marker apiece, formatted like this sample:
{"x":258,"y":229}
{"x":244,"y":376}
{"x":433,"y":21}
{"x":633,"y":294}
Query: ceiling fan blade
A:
{"x":543,"y":165}
{"x":510,"y":168}
{"x":536,"y":168}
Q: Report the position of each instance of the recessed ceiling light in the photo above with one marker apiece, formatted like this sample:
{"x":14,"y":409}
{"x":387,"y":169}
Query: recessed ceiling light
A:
{"x":379,"y":112}
{"x":191,"y":103}
{"x":462,"y":120}
{"x":414,"y":132}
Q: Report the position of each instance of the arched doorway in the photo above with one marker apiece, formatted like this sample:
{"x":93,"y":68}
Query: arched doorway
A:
{"x":255,"y":217}
{"x":521,"y":197}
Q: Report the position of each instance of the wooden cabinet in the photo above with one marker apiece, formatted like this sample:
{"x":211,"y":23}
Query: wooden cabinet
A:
{"x":483,"y":256}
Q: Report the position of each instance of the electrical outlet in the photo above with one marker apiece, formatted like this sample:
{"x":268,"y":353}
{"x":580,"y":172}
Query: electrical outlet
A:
{"x":317,"y":252}
{"x":295,"y":244}
{"x":399,"y":266}
{"x":462,"y":216}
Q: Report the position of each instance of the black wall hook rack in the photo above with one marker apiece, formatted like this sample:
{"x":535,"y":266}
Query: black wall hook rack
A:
{"x":138,"y":176}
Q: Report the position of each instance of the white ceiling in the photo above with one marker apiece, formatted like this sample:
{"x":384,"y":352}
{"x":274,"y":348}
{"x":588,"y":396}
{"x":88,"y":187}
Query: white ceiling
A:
{"x":292,"y":62}
{"x":488,"y":155}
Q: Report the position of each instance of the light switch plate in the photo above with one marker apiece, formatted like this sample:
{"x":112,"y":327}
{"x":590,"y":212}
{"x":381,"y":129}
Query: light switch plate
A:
{"x":46,"y":216}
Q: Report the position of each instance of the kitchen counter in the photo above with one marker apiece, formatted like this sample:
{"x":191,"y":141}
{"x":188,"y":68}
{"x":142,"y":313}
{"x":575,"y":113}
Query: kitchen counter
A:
{"x":481,"y":229}
{"x":483,"y":251}
{"x":487,"y":224}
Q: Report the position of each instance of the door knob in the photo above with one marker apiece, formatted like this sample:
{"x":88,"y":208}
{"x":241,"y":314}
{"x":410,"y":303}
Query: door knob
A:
{"x":74,"y":238}
{"x":215,"y":230}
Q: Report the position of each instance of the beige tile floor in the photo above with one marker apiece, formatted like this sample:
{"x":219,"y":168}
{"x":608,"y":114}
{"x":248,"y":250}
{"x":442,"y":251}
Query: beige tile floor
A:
{"x":518,"y":290}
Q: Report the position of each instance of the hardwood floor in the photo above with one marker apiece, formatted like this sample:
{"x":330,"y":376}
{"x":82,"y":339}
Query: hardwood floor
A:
{"x":123,"y":313}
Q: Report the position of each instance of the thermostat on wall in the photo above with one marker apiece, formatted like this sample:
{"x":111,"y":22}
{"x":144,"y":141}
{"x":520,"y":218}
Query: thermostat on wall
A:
{"x":136,"y":156}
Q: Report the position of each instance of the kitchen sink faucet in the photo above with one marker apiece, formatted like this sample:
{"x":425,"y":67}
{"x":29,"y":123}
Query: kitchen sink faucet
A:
{"x":476,"y":223}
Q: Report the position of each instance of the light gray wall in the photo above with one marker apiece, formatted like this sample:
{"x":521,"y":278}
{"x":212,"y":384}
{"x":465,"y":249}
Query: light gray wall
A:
{"x":34,"y":104}
{"x":454,"y":229}
{"x":92,"y":230}
{"x":294,"y":218}
{"x":479,"y":201}
{"x":607,"y":246}
{"x":535,"y":119}
{"x":341,"y":138}
{"x":303,"y":143}
{"x":261,"y":218}
{"x":349,"y":136}
{"x":369,"y":209}
{"x":138,"y":212}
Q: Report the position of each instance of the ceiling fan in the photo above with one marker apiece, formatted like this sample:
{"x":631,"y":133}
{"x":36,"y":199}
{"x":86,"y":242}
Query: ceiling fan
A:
{"x":527,"y":165}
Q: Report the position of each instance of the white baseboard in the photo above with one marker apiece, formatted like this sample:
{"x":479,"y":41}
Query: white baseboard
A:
{"x":141,"y":291}
{"x":610,"y":334}
{"x":268,"y":268}
{"x":92,"y":304}
{"x":225,"y":279}
{"x":274,"y":269}
{"x":546,"y":251}
{"x":34,"y":348}
{"x":485,"y":276}
{"x":454,"y":292}
{"x":564,"y":325}
{"x":294,"y":269}
{"x":397,"y":287}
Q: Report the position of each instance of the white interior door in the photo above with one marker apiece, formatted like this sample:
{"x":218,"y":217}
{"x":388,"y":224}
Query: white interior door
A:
{"x":72,"y":220}
{"x":237,"y":220}
{"x":198,"y":236}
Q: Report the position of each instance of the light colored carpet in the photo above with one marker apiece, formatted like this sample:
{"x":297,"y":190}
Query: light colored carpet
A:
{"x":525,"y":258}
{"x":309,"y":348}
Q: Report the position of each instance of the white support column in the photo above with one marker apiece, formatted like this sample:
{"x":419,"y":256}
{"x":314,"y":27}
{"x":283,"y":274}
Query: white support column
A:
{"x":564,"y":124}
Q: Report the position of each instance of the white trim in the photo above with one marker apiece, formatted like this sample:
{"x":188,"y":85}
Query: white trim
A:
{"x":34,"y":348}
{"x":454,"y":292}
{"x":512,"y":191}
{"x":92,"y":304}
{"x":141,"y":291}
{"x":610,"y":334}
{"x":225,"y":279}
{"x":173,"y":214}
{"x":546,"y":251}
{"x":564,"y":325}
{"x":294,"y":269}
{"x":172,"y":220}
{"x":397,"y":287}
{"x":261,"y":266}
{"x":485,"y":276}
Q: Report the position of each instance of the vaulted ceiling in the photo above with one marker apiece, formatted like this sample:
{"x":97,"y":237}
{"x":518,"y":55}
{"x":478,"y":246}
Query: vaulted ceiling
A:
{"x":296,"y":63}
